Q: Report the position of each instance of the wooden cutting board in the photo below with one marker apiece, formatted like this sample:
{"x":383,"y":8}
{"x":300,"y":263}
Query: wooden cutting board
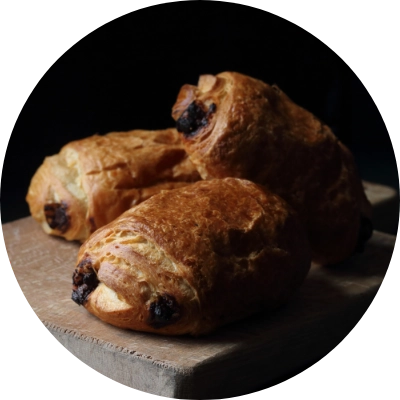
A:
{"x":241,"y":358}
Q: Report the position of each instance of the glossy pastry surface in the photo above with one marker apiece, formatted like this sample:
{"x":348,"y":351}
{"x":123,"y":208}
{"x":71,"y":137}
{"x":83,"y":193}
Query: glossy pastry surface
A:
{"x":233,"y":125}
{"x":189,"y":260}
{"x":94,"y":180}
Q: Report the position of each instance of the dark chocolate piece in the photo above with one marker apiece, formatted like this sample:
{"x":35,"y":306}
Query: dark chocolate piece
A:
{"x":163,"y":311}
{"x":56,"y":216}
{"x":84,"y":281}
{"x":194,"y":118}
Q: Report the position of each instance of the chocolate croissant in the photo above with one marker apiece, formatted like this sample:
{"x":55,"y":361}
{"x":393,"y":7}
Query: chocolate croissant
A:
{"x":94,"y":180}
{"x":192,"y":259}
{"x":235,"y":126}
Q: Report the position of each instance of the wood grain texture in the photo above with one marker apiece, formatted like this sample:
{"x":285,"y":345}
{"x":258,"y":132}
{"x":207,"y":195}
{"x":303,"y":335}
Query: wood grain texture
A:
{"x":238,"y":359}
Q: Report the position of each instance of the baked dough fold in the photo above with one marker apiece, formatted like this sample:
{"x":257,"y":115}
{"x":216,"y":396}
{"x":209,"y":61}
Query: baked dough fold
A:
{"x":94,"y":180}
{"x":233,"y":125}
{"x":191,"y":259}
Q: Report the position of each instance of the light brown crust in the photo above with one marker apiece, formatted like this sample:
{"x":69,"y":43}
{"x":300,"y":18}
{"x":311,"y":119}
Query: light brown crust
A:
{"x":94,"y":180}
{"x":189,"y":260}
{"x":256,"y":132}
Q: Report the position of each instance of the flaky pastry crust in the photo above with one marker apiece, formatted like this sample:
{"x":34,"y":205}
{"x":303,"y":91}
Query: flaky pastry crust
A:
{"x":238,"y":126}
{"x":191,"y":259}
{"x":94,"y":180}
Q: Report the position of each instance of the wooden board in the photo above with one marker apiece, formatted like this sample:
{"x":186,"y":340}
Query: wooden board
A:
{"x":385,"y":201}
{"x":238,"y":359}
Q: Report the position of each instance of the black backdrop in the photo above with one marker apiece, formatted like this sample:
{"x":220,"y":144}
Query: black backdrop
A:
{"x":73,"y":73}
{"x":76,"y":73}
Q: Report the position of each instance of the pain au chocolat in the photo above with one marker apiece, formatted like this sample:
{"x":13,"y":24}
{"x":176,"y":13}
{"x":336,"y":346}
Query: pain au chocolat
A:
{"x":233,"y":125}
{"x":94,"y":180}
{"x":189,"y":260}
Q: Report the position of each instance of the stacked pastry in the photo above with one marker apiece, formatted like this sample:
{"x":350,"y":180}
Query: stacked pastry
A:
{"x":278,"y":191}
{"x":234,"y":125}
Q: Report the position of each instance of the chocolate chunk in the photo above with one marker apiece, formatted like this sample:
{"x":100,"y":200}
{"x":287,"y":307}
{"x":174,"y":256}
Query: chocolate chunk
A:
{"x":163,"y":311}
{"x":194,"y":118}
{"x":212,"y":109}
{"x":364,"y":234}
{"x":56,"y":216}
{"x":84,"y":281}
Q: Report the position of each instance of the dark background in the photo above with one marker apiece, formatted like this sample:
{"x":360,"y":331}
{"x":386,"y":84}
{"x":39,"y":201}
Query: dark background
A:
{"x":72,"y":73}
{"x":78,"y":73}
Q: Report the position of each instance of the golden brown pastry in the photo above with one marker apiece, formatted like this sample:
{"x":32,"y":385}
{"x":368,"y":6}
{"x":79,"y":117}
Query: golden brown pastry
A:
{"x":191,"y":259}
{"x":94,"y":180}
{"x":234,"y":125}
